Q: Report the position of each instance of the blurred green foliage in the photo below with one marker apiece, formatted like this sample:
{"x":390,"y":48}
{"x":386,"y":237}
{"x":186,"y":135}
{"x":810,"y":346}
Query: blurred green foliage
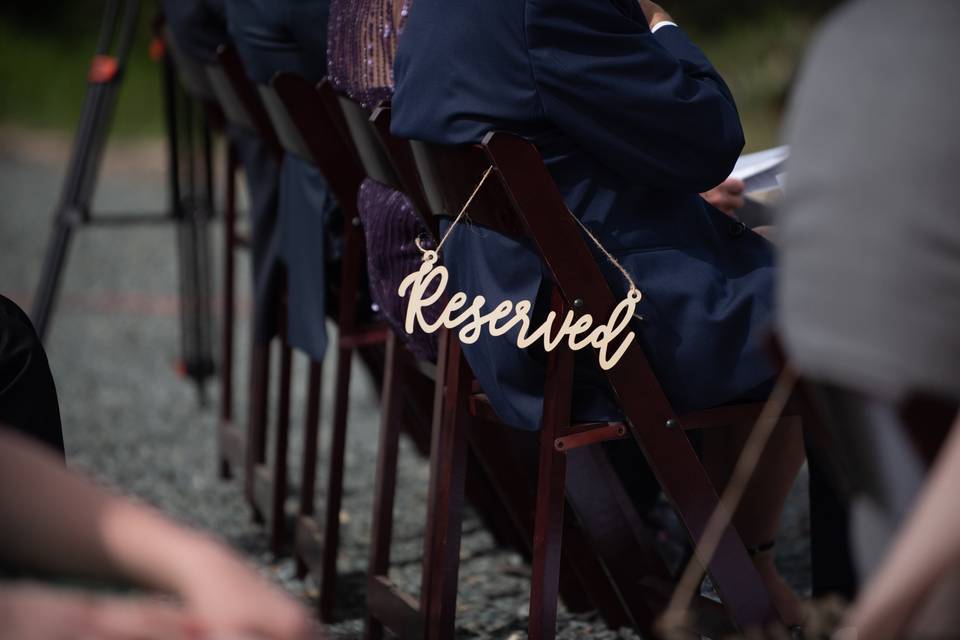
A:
{"x":757,"y":45}
{"x":45,"y":49}
{"x":711,"y":14}
{"x":45,"y":53}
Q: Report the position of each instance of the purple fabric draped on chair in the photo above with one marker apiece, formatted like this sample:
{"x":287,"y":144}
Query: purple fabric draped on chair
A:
{"x":391,"y":227}
{"x":362,"y":44}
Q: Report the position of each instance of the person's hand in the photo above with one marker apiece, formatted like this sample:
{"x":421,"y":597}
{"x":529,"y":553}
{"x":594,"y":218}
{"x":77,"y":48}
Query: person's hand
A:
{"x":654,"y":12}
{"x":728,"y":196}
{"x":45,"y":613}
{"x":71,"y":526}
{"x":232,"y":601}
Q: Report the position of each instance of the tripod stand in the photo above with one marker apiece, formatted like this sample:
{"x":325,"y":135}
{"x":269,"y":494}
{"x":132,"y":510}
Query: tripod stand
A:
{"x":191,"y":184}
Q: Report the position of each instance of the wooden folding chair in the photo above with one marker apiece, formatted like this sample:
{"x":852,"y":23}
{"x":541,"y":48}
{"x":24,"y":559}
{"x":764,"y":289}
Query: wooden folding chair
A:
{"x":265,"y":490}
{"x":388,"y":161}
{"x":506,"y":458}
{"x":307,"y":129}
{"x":311,"y":125}
{"x":524,"y":202}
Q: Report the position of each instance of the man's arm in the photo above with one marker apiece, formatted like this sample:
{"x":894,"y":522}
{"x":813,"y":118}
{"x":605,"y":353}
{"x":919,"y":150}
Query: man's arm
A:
{"x":650,"y":106}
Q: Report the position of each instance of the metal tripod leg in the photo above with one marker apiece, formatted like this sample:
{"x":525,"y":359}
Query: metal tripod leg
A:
{"x":98,"y":106}
{"x":192,"y":208}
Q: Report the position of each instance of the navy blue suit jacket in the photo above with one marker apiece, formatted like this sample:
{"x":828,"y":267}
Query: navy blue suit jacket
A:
{"x":633,"y":126}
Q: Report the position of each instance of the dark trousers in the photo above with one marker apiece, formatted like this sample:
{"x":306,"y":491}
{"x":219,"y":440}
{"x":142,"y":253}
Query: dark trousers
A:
{"x":200,"y":27}
{"x":28,"y":397}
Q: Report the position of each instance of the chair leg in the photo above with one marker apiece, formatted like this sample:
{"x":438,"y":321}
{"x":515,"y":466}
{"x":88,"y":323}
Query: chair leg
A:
{"x":551,"y":481}
{"x":502,"y":455}
{"x":686,"y":484}
{"x":257,"y":427}
{"x":311,"y":432}
{"x":338,"y":441}
{"x":386,"y":480}
{"x":547,"y":540}
{"x":278,"y":516}
{"x":619,"y":537}
{"x":448,"y":456}
{"x":226,"y":346}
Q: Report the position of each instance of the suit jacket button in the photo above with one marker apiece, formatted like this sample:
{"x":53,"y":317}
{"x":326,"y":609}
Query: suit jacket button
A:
{"x":737,"y":228}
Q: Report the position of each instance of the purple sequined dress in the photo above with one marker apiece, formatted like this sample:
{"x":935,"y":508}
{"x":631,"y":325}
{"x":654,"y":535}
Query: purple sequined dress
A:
{"x":362,"y":44}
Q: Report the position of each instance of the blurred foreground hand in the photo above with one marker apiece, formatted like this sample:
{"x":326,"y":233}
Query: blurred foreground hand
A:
{"x":232,"y":602}
{"x":58,"y":522}
{"x":43,"y":613}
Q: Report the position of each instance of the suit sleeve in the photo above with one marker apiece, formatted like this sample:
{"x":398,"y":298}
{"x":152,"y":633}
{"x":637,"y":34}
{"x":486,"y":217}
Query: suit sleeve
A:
{"x":650,"y":106}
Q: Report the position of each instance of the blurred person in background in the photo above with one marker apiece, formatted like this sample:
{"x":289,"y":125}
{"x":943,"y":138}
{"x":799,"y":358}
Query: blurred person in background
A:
{"x":57,"y":523}
{"x":28,"y":396}
{"x":869,"y":301}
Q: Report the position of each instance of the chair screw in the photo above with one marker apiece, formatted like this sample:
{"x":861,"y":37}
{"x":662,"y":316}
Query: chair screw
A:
{"x":578,"y":303}
{"x":356,"y":221}
{"x":672,"y":423}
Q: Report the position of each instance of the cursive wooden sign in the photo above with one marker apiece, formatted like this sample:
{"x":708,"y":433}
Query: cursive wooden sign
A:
{"x":470,"y":318}
{"x":579,"y":332}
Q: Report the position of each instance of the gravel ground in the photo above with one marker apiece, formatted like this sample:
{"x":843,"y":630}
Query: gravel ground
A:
{"x":134,"y":425}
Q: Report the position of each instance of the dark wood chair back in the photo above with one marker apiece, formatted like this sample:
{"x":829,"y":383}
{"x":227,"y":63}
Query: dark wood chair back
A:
{"x":373,"y":156}
{"x":309,"y":124}
{"x":193,"y":76}
{"x":238,"y":98}
{"x":401,"y":157}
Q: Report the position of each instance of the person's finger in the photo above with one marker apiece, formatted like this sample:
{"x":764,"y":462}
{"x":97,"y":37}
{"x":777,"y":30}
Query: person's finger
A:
{"x":141,"y":619}
{"x":727,"y":203}
{"x":41,"y":613}
{"x":734,"y":186}
{"x":289,"y":622}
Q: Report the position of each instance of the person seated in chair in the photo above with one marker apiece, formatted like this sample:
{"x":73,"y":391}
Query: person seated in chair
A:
{"x":272,"y":37}
{"x":634,"y":123}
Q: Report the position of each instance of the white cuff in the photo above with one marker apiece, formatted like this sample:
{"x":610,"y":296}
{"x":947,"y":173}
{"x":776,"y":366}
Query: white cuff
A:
{"x":661,"y":24}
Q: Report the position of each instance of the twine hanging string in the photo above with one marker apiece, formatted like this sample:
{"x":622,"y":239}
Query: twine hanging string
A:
{"x":431,"y":255}
{"x":626,"y":275}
